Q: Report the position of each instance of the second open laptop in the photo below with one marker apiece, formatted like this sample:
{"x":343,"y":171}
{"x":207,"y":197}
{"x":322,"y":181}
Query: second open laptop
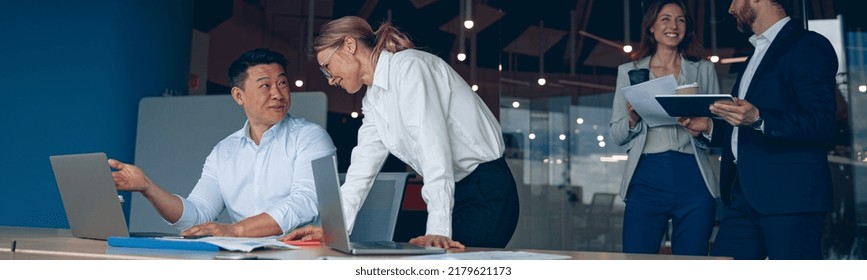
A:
{"x":90,"y":198}
{"x":333,"y":223}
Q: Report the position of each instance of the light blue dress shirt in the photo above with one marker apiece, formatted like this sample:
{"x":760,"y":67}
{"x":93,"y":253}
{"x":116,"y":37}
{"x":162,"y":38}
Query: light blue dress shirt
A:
{"x":274,"y":177}
{"x":762,"y":43}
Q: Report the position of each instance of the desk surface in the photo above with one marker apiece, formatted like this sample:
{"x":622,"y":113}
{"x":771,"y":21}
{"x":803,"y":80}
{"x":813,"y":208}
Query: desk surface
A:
{"x":48,"y":243}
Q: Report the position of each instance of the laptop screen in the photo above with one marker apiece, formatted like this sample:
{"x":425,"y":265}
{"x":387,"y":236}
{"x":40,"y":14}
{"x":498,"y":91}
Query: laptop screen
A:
{"x":333,"y":223}
{"x":330,"y":210}
{"x":89,"y":196}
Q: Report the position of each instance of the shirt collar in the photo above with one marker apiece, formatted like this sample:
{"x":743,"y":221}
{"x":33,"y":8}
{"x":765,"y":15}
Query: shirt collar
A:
{"x":246,"y":129}
{"x":771,"y":33}
{"x":380,"y":75}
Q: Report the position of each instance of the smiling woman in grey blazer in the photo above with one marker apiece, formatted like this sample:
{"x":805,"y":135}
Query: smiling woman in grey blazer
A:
{"x":668,"y":174}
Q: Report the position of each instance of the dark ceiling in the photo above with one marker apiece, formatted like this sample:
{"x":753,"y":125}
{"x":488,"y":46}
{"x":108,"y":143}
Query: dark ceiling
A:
{"x":510,"y":22}
{"x":606,"y":20}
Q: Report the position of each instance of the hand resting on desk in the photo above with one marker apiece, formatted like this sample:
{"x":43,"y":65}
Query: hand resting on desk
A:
{"x":315,"y":233}
{"x":304,"y":233}
{"x":436,"y":241}
{"x":215,"y":229}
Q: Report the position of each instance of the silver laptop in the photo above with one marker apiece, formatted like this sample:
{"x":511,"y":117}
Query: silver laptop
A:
{"x":89,"y":197}
{"x":331,"y":214}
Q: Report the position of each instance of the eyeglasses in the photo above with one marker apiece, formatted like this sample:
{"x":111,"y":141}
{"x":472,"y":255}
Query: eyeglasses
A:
{"x":324,"y":66}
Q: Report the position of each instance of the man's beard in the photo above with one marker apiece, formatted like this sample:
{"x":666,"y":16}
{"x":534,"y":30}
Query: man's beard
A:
{"x":749,"y":17}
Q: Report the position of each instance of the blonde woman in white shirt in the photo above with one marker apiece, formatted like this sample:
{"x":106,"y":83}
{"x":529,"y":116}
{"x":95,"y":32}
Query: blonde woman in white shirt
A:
{"x":419,"y":109}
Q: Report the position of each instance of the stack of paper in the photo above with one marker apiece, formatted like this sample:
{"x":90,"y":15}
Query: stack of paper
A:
{"x":642,"y":97}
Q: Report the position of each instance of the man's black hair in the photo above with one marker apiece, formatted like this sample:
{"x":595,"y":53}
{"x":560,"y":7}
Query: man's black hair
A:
{"x":238,"y":69}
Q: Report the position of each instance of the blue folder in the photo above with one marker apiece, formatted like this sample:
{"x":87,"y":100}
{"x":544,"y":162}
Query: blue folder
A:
{"x":158,"y":243}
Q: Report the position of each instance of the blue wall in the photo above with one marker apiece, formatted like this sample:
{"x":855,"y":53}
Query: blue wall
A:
{"x":72,"y":74}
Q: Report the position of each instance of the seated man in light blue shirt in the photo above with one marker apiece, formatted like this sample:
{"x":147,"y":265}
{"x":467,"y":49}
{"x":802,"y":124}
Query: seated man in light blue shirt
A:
{"x":260,"y":174}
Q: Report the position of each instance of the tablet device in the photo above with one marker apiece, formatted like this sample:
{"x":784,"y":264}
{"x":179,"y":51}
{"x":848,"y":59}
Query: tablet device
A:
{"x":690,"y":105}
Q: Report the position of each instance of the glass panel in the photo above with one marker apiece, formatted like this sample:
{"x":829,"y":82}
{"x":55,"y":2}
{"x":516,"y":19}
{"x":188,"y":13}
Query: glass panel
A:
{"x":850,"y":173}
{"x":568,"y":175}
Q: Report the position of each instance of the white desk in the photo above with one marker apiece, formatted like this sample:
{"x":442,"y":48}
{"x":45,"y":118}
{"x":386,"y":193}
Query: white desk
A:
{"x":46,"y":243}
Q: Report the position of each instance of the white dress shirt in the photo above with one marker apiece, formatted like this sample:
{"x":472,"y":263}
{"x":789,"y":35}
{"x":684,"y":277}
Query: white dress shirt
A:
{"x":274,"y":177}
{"x":420,"y":110}
{"x":761,"y":42}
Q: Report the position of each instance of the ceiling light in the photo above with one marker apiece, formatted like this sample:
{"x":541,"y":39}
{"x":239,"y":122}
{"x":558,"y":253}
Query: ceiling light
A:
{"x":468,"y":14}
{"x":714,"y":58}
{"x":541,"y":81}
{"x":862,"y":88}
{"x":462,"y":56}
{"x":468,"y":24}
{"x":475,"y":88}
{"x":602,"y":144}
{"x":532,"y":136}
{"x":354,"y":115}
{"x":579,"y":120}
{"x":562,"y":137}
{"x":299,"y":83}
{"x":627,"y":47}
{"x":516,"y":104}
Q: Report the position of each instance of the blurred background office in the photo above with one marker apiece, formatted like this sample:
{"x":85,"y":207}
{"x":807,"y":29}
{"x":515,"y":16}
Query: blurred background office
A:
{"x":75,"y":72}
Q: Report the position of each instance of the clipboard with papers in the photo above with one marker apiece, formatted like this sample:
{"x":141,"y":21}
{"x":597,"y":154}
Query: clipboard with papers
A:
{"x":690,"y":105}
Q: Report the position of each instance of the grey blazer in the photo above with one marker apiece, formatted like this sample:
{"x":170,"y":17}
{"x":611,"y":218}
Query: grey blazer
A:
{"x":702,"y":72}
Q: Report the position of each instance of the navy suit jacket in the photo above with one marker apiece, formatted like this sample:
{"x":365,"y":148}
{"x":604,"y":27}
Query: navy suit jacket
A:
{"x":785,"y":169}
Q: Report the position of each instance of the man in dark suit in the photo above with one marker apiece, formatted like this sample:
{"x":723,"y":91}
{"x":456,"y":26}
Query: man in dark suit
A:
{"x":774,"y":176}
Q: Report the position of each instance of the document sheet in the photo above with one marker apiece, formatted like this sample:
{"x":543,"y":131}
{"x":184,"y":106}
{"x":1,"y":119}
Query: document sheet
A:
{"x":642,"y":98}
{"x":242,"y":244}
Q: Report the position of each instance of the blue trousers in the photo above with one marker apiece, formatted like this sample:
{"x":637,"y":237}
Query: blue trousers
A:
{"x":667,"y":186}
{"x":746,"y":234}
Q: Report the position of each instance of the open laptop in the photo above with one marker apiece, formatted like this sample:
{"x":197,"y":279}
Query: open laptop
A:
{"x":90,"y":199}
{"x":331,"y":214}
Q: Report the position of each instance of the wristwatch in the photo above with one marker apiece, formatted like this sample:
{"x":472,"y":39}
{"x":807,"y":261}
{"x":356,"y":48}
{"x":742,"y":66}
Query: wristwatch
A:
{"x":757,"y":124}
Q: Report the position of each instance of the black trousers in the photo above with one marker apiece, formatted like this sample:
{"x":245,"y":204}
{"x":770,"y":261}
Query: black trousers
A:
{"x":486,"y":206}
